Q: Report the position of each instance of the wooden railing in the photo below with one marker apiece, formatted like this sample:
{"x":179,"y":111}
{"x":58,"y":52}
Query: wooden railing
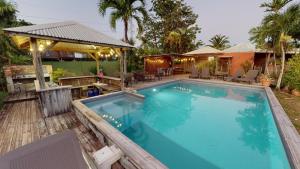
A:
{"x":54,"y":101}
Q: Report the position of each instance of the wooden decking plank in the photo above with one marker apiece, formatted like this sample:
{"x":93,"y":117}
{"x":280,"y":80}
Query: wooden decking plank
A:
{"x":23,"y":122}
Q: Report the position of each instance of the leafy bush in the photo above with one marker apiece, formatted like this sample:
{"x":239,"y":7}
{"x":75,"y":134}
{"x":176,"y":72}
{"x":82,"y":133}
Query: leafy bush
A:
{"x":59,"y":73}
{"x":93,"y":70}
{"x":292,"y":74}
{"x":247,"y":65}
{"x":207,"y":64}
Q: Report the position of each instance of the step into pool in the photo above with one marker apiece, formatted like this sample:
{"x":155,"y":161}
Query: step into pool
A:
{"x":191,"y":125}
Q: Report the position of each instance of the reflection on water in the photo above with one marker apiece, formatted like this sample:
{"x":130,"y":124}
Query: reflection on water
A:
{"x":254,"y":122}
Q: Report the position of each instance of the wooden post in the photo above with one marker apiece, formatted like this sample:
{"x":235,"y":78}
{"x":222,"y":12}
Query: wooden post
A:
{"x":122,"y":69}
{"x":37,"y":62}
{"x":125,"y":62}
{"x":97,"y":64}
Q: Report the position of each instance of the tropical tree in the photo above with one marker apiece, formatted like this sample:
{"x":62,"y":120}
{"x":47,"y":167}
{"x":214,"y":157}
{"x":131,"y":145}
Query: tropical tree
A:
{"x":282,"y":25}
{"x":275,"y":5}
{"x":277,"y":29}
{"x":171,"y":20}
{"x":7,"y":13}
{"x":124,"y":10}
{"x":220,"y":42}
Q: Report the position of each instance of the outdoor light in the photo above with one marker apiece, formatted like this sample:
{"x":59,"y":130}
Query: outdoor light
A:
{"x":41,"y":48}
{"x":48,"y":42}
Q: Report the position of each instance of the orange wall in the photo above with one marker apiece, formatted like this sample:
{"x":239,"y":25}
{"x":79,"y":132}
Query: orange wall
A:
{"x":238,"y":59}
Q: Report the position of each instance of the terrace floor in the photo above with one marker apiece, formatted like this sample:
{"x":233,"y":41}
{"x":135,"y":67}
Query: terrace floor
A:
{"x":22,"y":123}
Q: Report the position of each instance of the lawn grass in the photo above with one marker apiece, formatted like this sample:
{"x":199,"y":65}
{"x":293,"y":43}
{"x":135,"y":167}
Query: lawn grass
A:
{"x":2,"y":97}
{"x":291,"y":105}
{"x":80,"y":68}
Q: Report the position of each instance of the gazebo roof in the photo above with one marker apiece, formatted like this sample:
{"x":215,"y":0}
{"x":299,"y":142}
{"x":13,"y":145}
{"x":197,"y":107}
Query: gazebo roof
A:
{"x":204,"y":50}
{"x":69,"y":32}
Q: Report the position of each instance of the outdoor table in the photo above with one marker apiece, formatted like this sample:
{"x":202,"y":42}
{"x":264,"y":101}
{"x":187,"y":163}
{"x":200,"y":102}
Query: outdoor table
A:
{"x":99,"y":85}
{"x":221,"y":75}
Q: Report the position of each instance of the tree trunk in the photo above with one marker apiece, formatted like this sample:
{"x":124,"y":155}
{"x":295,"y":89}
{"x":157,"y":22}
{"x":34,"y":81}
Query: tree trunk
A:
{"x":275,"y":63}
{"x":37,"y":62}
{"x":126,"y":31}
{"x":282,"y":67}
{"x":267,"y":64}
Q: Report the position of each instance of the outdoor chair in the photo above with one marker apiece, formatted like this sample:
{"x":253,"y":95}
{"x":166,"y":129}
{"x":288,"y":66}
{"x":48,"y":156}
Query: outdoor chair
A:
{"x":205,"y":74}
{"x":139,"y":77}
{"x":169,"y":72}
{"x":129,"y":80}
{"x":159,"y":74}
{"x":250,"y":76}
{"x":194,"y":74}
{"x":60,"y":151}
{"x":238,"y":74}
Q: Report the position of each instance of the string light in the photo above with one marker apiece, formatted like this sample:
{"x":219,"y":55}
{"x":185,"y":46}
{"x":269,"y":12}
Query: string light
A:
{"x":48,"y":42}
{"x":155,"y":61}
{"x":41,"y":48}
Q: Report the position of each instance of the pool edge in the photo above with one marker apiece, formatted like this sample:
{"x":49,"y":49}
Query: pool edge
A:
{"x":134,"y":155}
{"x":288,"y":134}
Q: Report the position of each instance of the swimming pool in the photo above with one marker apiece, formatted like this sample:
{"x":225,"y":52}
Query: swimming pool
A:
{"x":188,"y":125}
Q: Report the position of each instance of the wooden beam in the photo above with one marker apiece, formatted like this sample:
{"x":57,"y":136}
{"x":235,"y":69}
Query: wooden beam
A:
{"x":96,"y":58}
{"x":50,"y":46}
{"x":37,"y":62}
{"x":122,"y":70}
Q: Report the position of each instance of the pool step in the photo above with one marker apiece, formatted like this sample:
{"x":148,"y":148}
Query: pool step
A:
{"x":107,"y":156}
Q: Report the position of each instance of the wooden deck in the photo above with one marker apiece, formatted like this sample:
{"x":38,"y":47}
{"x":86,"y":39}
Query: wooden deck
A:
{"x":22,"y":123}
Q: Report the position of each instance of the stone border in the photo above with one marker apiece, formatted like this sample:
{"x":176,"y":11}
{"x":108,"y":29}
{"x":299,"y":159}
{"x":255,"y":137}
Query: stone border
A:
{"x":134,"y":156}
{"x":289,"y":136}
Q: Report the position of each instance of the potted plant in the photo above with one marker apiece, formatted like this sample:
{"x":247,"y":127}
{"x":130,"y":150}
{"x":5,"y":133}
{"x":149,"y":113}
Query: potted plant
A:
{"x":265,"y":80}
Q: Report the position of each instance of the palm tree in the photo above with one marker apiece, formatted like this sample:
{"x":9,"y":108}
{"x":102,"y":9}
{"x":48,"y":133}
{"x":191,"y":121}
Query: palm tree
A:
{"x":173,"y":41}
{"x":220,"y":42}
{"x":7,"y":13}
{"x":124,"y":10}
{"x":282,"y":24}
{"x":275,"y":5}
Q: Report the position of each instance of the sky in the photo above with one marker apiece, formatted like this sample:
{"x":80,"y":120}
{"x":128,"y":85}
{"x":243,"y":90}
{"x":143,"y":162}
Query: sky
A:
{"x":233,"y":18}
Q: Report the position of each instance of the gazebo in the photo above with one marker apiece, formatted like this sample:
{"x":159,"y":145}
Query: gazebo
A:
{"x":65,"y":36}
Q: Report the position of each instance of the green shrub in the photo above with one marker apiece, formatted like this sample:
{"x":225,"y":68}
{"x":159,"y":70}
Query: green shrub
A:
{"x":93,"y":70}
{"x":59,"y":73}
{"x":207,"y":64}
{"x":292,"y":74}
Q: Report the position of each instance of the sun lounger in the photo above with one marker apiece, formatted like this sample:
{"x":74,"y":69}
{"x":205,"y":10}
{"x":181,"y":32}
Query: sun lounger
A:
{"x":60,"y":151}
{"x":238,"y":74}
{"x":205,"y":74}
{"x":250,"y":76}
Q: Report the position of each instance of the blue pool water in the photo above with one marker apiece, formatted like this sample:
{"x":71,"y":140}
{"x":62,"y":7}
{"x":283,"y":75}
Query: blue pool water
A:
{"x":200,"y":126}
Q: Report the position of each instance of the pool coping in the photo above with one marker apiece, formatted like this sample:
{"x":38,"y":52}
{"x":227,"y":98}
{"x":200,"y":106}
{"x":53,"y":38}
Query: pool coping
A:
{"x":133,"y":155}
{"x":288,"y":133}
